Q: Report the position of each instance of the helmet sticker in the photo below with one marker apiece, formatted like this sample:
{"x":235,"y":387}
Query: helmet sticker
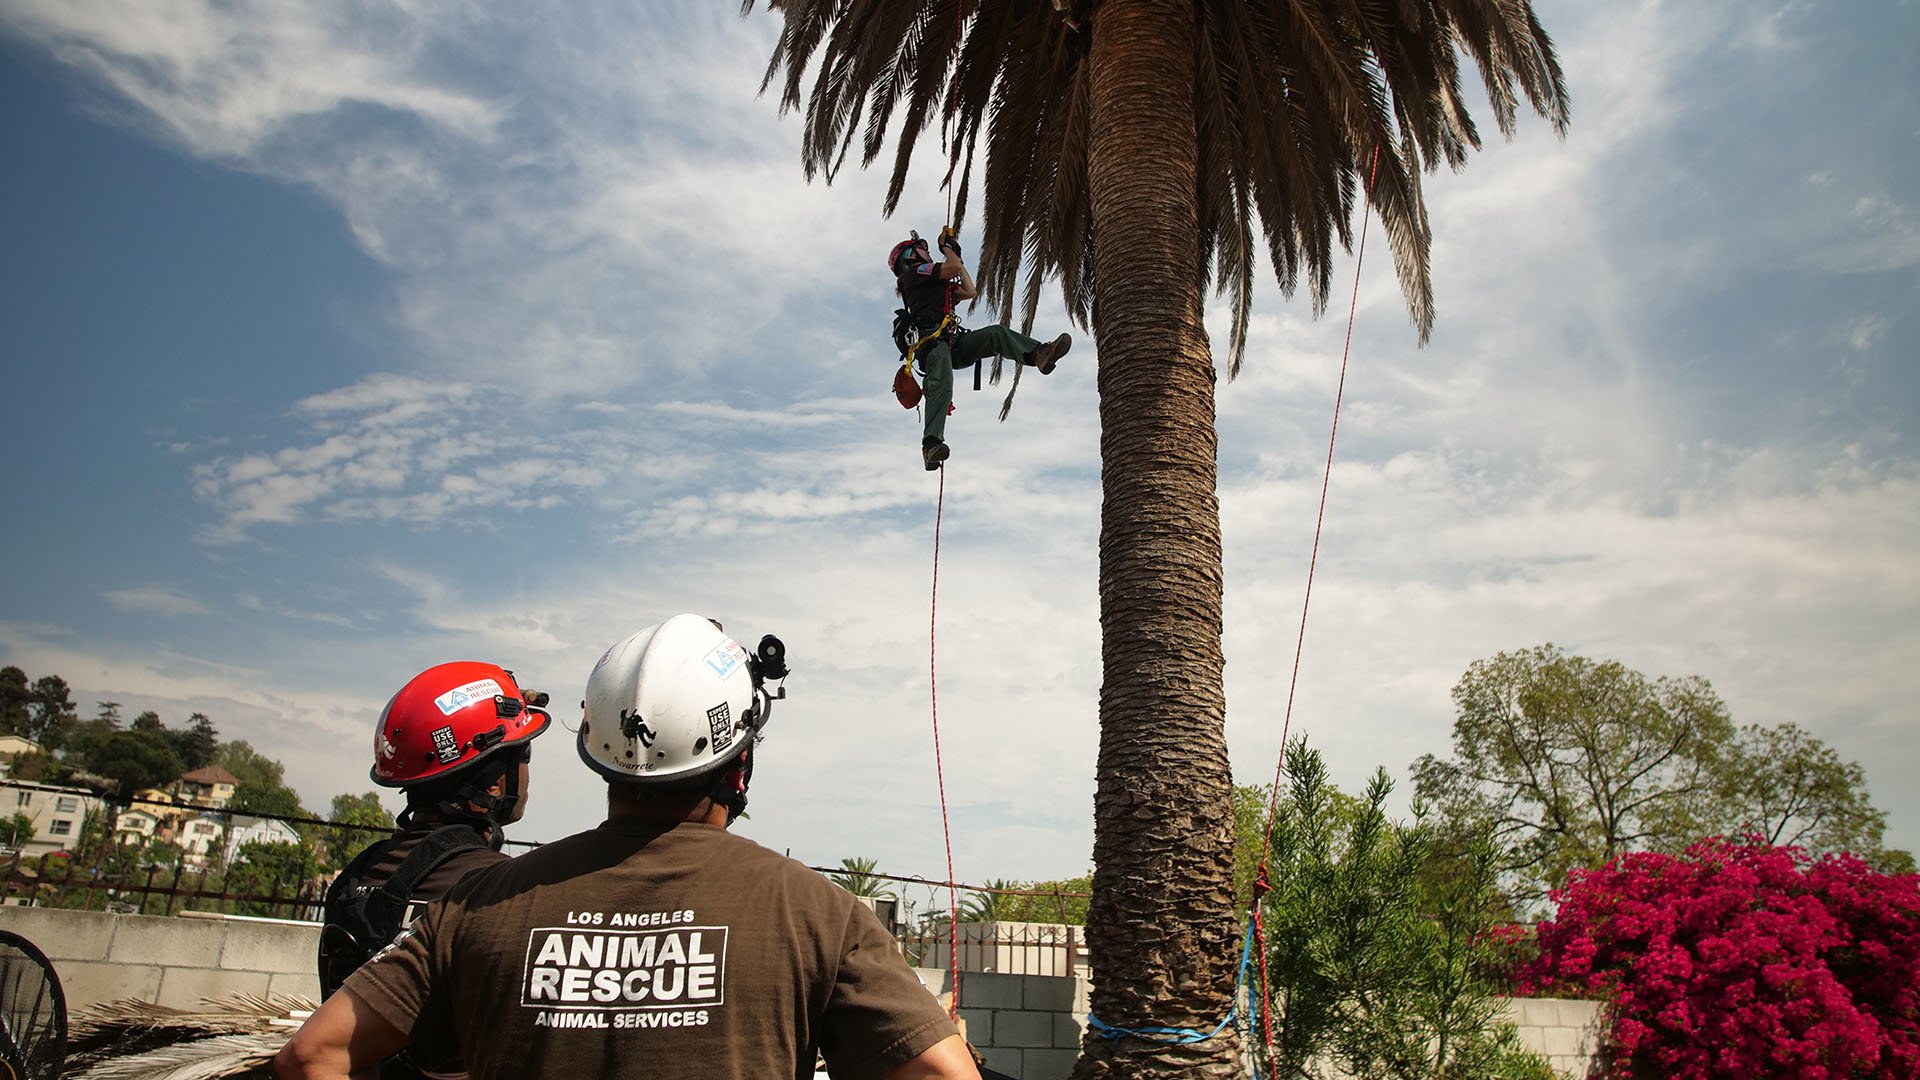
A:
{"x":445,"y":746}
{"x":720,"y":720}
{"x":725,"y":657}
{"x":462,"y":696}
{"x":382,"y":746}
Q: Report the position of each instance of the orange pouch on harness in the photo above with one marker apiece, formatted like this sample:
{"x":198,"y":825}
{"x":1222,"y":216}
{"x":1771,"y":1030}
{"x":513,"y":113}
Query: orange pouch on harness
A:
{"x":905,"y":388}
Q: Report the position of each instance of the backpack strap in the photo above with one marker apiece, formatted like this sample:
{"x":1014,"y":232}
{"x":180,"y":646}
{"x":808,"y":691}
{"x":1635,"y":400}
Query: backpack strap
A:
{"x":360,"y":921}
{"x":387,"y":905}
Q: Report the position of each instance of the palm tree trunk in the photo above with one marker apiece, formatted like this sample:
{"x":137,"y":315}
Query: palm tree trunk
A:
{"x":1161,"y":927}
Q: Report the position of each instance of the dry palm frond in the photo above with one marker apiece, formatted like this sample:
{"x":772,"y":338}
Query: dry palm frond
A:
{"x":136,"y":1040}
{"x":248,"y":1055}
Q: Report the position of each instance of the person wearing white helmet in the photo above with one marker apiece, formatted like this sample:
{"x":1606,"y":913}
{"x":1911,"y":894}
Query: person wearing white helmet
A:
{"x":657,"y":944}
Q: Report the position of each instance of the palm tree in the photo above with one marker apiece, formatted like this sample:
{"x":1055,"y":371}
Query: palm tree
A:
{"x":1130,"y":146}
{"x":858,"y":877}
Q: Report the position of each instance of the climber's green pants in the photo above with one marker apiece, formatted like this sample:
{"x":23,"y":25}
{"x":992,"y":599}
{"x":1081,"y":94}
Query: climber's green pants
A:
{"x":937,"y":362}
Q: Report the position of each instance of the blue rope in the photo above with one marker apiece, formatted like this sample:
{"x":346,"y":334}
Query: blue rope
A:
{"x":1170,"y":1036}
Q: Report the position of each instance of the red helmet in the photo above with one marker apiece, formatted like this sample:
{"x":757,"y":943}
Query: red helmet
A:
{"x":899,"y":249}
{"x":449,"y":717}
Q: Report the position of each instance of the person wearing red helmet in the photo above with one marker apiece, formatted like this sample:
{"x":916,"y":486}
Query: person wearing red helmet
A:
{"x":455,"y":740}
{"x":656,"y":944}
{"x":937,"y":341}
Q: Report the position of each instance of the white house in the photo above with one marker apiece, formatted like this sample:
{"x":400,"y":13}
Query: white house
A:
{"x":58,"y":815}
{"x":200,"y":837}
{"x":251,"y":830}
{"x":12,"y":746}
{"x":136,"y":827}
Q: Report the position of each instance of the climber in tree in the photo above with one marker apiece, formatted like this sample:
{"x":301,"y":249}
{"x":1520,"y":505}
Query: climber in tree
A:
{"x":936,"y":340}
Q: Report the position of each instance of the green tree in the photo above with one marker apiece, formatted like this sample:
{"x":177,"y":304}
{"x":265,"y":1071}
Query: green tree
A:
{"x":197,"y":743}
{"x":265,"y":870}
{"x":132,"y":759}
{"x":1376,"y":966}
{"x":363,"y":810}
{"x":15,"y":694}
{"x":1566,"y":762}
{"x":148,"y":720}
{"x":50,"y":711}
{"x":857,"y":877}
{"x":1062,"y":901}
{"x":16,"y":829}
{"x":249,"y":765}
{"x":1130,"y":145}
{"x":257,"y":797}
{"x":1791,"y":789}
{"x":988,"y":904}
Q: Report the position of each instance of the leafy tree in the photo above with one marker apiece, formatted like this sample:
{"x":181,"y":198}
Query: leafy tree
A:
{"x":16,"y":829}
{"x":249,"y":765}
{"x":197,"y":743}
{"x":1050,"y":902}
{"x":1376,"y":967}
{"x":14,"y":697}
{"x":265,"y":869}
{"x":108,"y":716}
{"x":50,"y":711}
{"x":1790,"y":789}
{"x":1567,"y":762}
{"x":257,"y":797}
{"x":1742,"y":960}
{"x":1130,"y":144}
{"x":363,"y":810}
{"x":857,"y":877}
{"x":132,"y":759}
{"x":36,"y":765}
{"x":148,"y":720}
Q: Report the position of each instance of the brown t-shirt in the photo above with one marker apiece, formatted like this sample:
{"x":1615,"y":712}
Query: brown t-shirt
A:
{"x":665,"y":950}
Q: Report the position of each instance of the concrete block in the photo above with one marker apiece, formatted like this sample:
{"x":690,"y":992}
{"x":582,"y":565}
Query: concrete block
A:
{"x":287,"y":984}
{"x":62,"y":935}
{"x":157,"y":939}
{"x":1577,"y":1014}
{"x":269,"y":946}
{"x":92,"y":982}
{"x":184,"y":988}
{"x":1022,"y":1028}
{"x":937,"y":980}
{"x":1049,"y":993}
{"x":1001,"y":1059}
{"x":984,"y":990}
{"x":1561,"y":1042}
{"x":1047,"y":1064}
{"x":979,"y":1026}
{"x":1067,"y":1030}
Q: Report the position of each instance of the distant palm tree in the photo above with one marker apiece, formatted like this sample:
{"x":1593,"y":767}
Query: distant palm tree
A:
{"x":859,"y":878}
{"x":1130,"y":146}
{"x":989,"y":904}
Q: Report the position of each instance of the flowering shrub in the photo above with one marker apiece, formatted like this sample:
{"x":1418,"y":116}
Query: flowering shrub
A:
{"x":1742,"y":960}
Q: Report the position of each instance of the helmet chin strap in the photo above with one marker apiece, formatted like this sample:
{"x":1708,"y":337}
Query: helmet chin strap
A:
{"x":729,"y":788}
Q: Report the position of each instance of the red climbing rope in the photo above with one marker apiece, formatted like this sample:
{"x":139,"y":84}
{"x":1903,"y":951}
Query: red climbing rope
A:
{"x":933,"y":692}
{"x":1299,"y":645}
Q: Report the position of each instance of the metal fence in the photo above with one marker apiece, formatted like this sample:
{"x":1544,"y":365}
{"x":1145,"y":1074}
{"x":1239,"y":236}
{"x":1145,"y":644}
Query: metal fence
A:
{"x":52,"y":880}
{"x":999,"y":947}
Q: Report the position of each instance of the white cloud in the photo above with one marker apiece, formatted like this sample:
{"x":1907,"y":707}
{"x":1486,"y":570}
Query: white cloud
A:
{"x":154,"y":599}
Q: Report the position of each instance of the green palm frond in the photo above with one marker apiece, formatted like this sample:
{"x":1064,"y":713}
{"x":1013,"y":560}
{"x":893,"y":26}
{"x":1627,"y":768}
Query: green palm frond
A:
{"x":1298,"y":105}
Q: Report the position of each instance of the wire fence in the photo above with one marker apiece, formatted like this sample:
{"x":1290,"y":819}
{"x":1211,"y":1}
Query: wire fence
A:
{"x":107,"y":875}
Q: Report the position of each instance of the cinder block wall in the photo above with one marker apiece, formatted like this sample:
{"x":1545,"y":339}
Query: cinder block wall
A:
{"x":175,"y":961}
{"x":1565,"y":1031}
{"x":1026,"y":1025}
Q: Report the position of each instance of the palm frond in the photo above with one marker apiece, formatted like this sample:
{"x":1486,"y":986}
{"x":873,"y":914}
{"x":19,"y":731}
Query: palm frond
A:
{"x":246,"y":1055}
{"x":1302,"y":108}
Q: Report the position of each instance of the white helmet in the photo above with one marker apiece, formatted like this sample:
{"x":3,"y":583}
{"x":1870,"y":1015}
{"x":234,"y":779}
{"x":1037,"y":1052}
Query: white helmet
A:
{"x":676,"y":702}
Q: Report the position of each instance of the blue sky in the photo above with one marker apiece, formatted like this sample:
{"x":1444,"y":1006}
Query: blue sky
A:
{"x":343,"y":339}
